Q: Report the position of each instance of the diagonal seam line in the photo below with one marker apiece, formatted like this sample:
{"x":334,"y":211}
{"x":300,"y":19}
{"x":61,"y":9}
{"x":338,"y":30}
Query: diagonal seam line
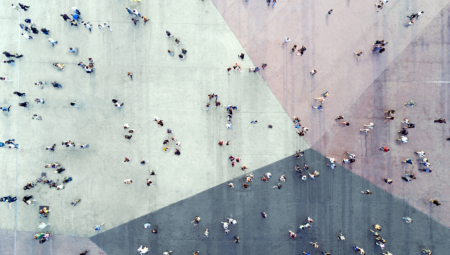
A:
{"x":382,"y":72}
{"x":327,"y":74}
{"x":17,"y":150}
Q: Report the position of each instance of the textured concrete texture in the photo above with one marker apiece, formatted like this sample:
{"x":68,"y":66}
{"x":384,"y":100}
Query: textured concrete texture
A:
{"x":333,"y":200}
{"x":162,"y":85}
{"x":420,"y":74}
{"x":57,"y":244}
{"x":414,"y":67}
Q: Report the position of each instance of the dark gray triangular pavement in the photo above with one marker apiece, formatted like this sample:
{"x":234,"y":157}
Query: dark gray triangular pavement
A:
{"x":333,"y":200}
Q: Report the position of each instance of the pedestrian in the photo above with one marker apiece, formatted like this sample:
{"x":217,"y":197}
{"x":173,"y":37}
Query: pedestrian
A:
{"x":130,"y":75}
{"x":292,"y":234}
{"x":264,"y":215}
{"x":24,"y":7}
{"x":301,"y":51}
{"x":142,"y":250}
{"x":149,"y":182}
{"x":264,"y":65}
{"x":403,"y":139}
{"x":370,"y":126}
{"x":10,"y":62}
{"x":105,"y":24}
{"x":385,"y":149}
{"x":274,"y":2}
{"x":88,"y":26}
{"x":329,"y":12}
{"x":346,"y":123}
{"x":24,"y":104}
{"x":128,"y":181}
{"x":145,"y":19}
{"x":134,"y":20}
{"x":177,"y":42}
{"x":53,"y":42}
{"x":434,"y":201}
{"x":293,"y":49}
{"x":100,"y":26}
{"x":407,"y":219}
{"x":254,"y":122}
{"x":408,"y":161}
{"x":136,"y":13}
{"x":181,"y":56}
{"x":241,"y":56}
{"x":169,"y":34}
{"x":368,"y":192}
{"x":419,"y":14}
{"x":358,"y":54}
{"x":51,"y":148}
{"x":19,"y":94}
{"x":196,"y":220}
{"x":318,"y":107}
{"x":73,"y":50}
{"x":65,"y":17}
{"x":313,"y":72}
{"x":129,"y":11}
{"x":84,"y":252}
{"x":117,"y":104}
{"x":286,"y":40}
{"x":441,"y":120}
{"x":59,"y":66}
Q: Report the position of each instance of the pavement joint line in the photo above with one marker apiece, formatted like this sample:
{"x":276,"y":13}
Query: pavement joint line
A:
{"x":17,"y":150}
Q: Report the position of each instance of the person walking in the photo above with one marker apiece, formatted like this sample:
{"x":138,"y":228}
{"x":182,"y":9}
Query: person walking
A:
{"x":45,"y":31}
{"x":274,"y":2}
{"x":53,"y":42}
{"x":145,"y":19}
{"x":130,"y":75}
{"x":434,"y":201}
{"x":286,"y":40}
{"x":134,"y":20}
{"x":329,"y":12}
{"x":65,"y":17}
{"x":19,"y":94}
{"x":24,"y":7}
{"x":441,"y":120}
{"x":73,"y":50}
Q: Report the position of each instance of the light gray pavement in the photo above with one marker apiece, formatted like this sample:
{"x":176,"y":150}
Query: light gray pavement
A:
{"x":163,"y":86}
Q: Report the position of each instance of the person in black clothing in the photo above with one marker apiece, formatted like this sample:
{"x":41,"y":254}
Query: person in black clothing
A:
{"x":441,"y":120}
{"x":35,"y":31}
{"x":24,"y":7}
{"x":19,"y":94}
{"x":403,"y":132}
{"x":65,"y":17}
{"x":45,"y":31}
{"x":24,"y":104}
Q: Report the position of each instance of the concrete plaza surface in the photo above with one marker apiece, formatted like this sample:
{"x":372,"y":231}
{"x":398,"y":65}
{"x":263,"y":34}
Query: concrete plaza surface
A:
{"x":413,"y":67}
{"x":176,"y":91}
{"x":162,"y":85}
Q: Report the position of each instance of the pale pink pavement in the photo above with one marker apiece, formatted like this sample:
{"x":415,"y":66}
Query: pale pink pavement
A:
{"x":361,"y":90}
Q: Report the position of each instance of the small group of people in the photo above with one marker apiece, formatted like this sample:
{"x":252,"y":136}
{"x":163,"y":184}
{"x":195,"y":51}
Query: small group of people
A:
{"x":378,"y":46}
{"x":89,"y":68}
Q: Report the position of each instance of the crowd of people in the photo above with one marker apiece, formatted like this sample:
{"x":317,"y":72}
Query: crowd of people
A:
{"x":172,"y":141}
